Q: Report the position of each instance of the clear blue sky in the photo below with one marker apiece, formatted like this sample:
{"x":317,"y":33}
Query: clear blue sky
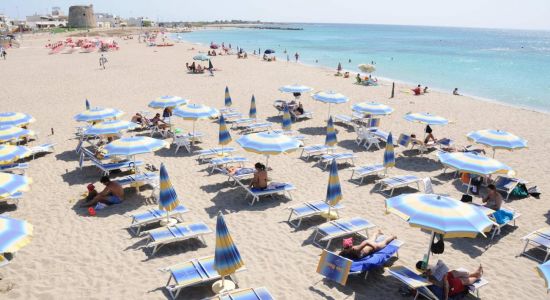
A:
{"x":520,"y":14}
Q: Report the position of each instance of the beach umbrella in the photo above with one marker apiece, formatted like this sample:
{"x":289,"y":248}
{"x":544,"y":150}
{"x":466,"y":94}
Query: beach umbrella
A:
{"x":389,"y":154}
{"x":201,"y":57}
{"x":227,"y":259}
{"x":167,"y":101}
{"x":367,"y":68}
{"x":210,"y":66}
{"x":339,"y":68}
{"x":269,"y":51}
{"x":168,"y":199}
{"x":334,"y":190}
{"x":15,"y":119}
{"x":268,"y":143}
{"x":9,"y":153}
{"x":131,"y":146}
{"x":497,"y":139}
{"x":287,"y":120}
{"x":8,"y":133}
{"x":194,"y":112}
{"x":252,"y":111}
{"x":330,"y":138}
{"x":439,"y":214}
{"x":544,"y":272}
{"x":13,"y":183}
{"x":14,"y":234}
{"x":426,"y":118}
{"x":295,"y":88}
{"x":330,"y":98}
{"x":110,"y":127}
{"x":372,"y":108}
{"x":228,"y":101}
{"x":87,"y":103}
{"x":96,"y":114}
{"x":224,"y":137}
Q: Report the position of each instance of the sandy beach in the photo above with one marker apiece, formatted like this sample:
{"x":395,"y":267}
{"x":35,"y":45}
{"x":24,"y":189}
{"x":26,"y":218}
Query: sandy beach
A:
{"x":75,"y":256}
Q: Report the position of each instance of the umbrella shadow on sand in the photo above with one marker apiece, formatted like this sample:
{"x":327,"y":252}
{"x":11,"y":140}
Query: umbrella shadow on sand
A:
{"x":69,"y":155}
{"x":233,"y":201}
{"x":352,"y":145}
{"x":417,"y":164}
{"x":313,"y":130}
{"x":169,"y":249}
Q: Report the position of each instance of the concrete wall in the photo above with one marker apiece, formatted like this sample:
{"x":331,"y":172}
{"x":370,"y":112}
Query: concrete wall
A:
{"x":82,"y":17}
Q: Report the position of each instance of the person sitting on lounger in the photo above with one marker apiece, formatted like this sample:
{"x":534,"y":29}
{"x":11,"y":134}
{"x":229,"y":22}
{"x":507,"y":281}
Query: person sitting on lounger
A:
{"x":137,"y":118}
{"x":112,"y":194}
{"x":192,"y":67}
{"x":367,"y":247}
{"x":157,"y":121}
{"x":493,"y":200}
{"x":454,"y":282}
{"x":260,"y":177}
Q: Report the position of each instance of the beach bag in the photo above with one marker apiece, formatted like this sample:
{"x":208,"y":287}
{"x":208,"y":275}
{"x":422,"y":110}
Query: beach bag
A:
{"x":439,"y":246}
{"x":534,"y":191}
{"x":466,"y":198}
{"x":428,"y":129}
{"x":520,"y":191}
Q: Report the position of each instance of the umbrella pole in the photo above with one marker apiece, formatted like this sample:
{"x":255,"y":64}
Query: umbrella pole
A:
{"x":328,"y":117}
{"x":266,"y":162}
{"x":494,"y":152}
{"x":430,"y":248}
{"x":193,"y":137}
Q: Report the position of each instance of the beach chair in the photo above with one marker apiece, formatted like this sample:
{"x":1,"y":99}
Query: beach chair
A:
{"x":507,"y":184}
{"x":182,"y":141}
{"x":340,"y":228}
{"x":271,"y":190}
{"x":376,"y":260}
{"x":326,"y":159}
{"x":239,"y":175}
{"x":234,"y":115}
{"x":344,"y":119}
{"x":305,"y":115}
{"x":260,"y":293}
{"x":538,"y":239}
{"x":207,"y":154}
{"x":139,"y":220}
{"x":106,"y":168}
{"x":496,"y":226}
{"x":242,"y":122}
{"x":216,"y":163}
{"x":14,"y":167}
{"x":399,"y":181}
{"x":315,"y":150}
{"x":193,"y":272}
{"x":404,"y":140}
{"x":227,"y":110}
{"x":44,"y":148}
{"x":140,"y":179}
{"x":370,"y":139}
{"x":382,"y":135}
{"x":180,"y":232}
{"x":363,"y":171}
{"x":310,"y":209}
{"x":257,"y":127}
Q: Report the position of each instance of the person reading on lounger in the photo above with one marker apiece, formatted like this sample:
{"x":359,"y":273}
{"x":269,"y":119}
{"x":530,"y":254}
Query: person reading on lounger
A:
{"x":365,"y":248}
{"x":260,"y":177}
{"x":113,"y":193}
{"x":452,"y":282}
{"x":493,"y":200}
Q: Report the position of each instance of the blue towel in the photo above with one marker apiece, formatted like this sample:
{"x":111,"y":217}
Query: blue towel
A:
{"x":503,"y":216}
{"x":374,"y":260}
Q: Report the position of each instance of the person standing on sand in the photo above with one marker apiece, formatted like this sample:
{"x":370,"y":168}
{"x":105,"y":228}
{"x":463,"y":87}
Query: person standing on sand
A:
{"x":102,"y":61}
{"x":297,"y":56}
{"x":455,"y":92}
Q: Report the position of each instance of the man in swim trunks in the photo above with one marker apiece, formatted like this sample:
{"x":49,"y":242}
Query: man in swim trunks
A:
{"x":112,"y":194}
{"x":367,"y":247}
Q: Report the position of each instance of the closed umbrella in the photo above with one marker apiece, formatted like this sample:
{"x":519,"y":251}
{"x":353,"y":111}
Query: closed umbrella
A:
{"x":14,"y":234}
{"x":224,"y":137}
{"x":287,"y":120}
{"x":227,"y":259}
{"x":330,"y":138}
{"x":96,"y":114}
{"x":389,"y":154}
{"x":497,"y":139}
{"x":210,"y":66}
{"x":334,"y":189}
{"x":252,"y":111}
{"x":227,"y":100}
{"x":10,"y":153}
{"x":268,"y":143}
{"x":15,"y":119}
{"x":330,"y":98}
{"x":13,"y":183}
{"x":168,"y":199}
{"x":167,"y":101}
{"x":87,"y":103}
{"x":9,"y":133}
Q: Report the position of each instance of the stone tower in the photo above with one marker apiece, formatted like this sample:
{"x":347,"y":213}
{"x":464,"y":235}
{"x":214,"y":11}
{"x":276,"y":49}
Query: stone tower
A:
{"x":81,"y":16}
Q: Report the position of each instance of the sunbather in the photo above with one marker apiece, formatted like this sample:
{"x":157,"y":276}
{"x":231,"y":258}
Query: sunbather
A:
{"x":358,"y":78}
{"x":493,"y":200}
{"x":454,"y":282}
{"x":157,"y":121}
{"x":260,"y":177}
{"x":299,"y":110}
{"x":137,"y":118}
{"x":417,"y":90}
{"x":367,"y":247}
{"x":112,"y":194}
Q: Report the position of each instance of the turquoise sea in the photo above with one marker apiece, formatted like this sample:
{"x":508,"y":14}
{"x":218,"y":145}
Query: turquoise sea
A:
{"x":509,"y":66}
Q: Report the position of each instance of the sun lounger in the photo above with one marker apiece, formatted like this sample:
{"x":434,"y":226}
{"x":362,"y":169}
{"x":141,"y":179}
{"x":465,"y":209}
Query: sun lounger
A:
{"x":497,"y":227}
{"x":394,"y":182}
{"x":507,"y":184}
{"x":344,"y":119}
{"x":305,"y":115}
{"x":257,"y":127}
{"x":107,"y":167}
{"x":180,"y":232}
{"x":224,"y":161}
{"x":238,"y":175}
{"x":213,"y":152}
{"x":226,"y":110}
{"x":260,"y":293}
{"x":340,"y":228}
{"x":232,"y":115}
{"x":137,"y":180}
{"x":291,"y":133}
{"x":271,"y":190}
{"x":13,"y":198}
{"x":538,"y":239}
{"x":154,"y":215}
{"x":14,"y":167}
{"x":242,"y":122}
{"x":377,"y":259}
{"x":310,"y":209}
{"x":315,"y":150}
{"x":382,"y":135}
{"x":191,"y":273}
{"x":365,"y":171}
{"x":44,"y":148}
{"x":346,"y":156}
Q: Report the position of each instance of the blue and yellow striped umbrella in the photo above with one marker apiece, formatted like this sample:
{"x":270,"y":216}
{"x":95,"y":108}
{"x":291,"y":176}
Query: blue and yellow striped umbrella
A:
{"x":9,"y":153}
{"x":168,"y":199}
{"x":334,"y":190}
{"x":372,"y":108}
{"x":130,"y":146}
{"x":330,"y":98}
{"x":110,"y":127}
{"x":544,"y":272}
{"x":252,"y":111}
{"x":8,"y":133}
{"x":167,"y":101}
{"x":497,"y":139}
{"x":474,"y":164}
{"x":195,"y":112}
{"x":426,"y":118}
{"x":224,"y":137}
{"x":14,"y":234}
{"x":287,"y":121}
{"x":268,"y":143}
{"x":15,"y":119}
{"x":13,"y":183}
{"x":389,"y":153}
{"x":227,"y":259}
{"x":330,"y":138}
{"x":295,"y":88}
{"x":98,"y":114}
{"x":227,"y":100}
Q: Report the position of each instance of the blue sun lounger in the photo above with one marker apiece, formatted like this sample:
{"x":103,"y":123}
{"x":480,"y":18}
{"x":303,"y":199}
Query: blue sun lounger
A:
{"x":106,"y":168}
{"x":260,"y":293}
{"x":346,"y":156}
{"x":342,"y":227}
{"x":310,"y":209}
{"x":207,"y":154}
{"x":224,"y":161}
{"x":365,"y":171}
{"x":271,"y":190}
{"x":166,"y":235}
{"x":154,"y":215}
{"x":14,"y":167}
{"x":315,"y":150}
{"x":191,"y":273}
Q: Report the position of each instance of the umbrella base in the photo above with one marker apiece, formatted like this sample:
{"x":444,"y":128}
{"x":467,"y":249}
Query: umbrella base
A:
{"x":169,"y":222}
{"x":228,"y":285}
{"x":330,"y":216}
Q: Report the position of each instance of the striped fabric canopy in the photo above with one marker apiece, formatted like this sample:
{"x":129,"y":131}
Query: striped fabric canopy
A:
{"x":168,"y":199}
{"x":98,"y":114}
{"x":287,"y":121}
{"x":544,"y":272}
{"x":372,"y":108}
{"x":330,"y":97}
{"x":497,"y":139}
{"x":14,"y":234}
{"x":15,"y":119}
{"x":13,"y":183}
{"x":110,"y":127}
{"x":9,"y":153}
{"x":224,"y":137}
{"x":195,"y":112}
{"x":426,"y":118}
{"x":330,"y":138}
{"x":252,"y":111}
{"x":227,"y":259}
{"x":295,"y":88}
{"x":268,"y":143}
{"x":129,"y":146}
{"x":439,"y":214}
{"x":472,"y":163}
{"x":334,"y":190}
{"x":389,"y":153}
{"x":167,"y":101}
{"x":8,"y":133}
{"x":227,"y":100}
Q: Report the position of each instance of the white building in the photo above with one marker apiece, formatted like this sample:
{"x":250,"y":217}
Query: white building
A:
{"x":46,"y":21}
{"x":6,"y":24}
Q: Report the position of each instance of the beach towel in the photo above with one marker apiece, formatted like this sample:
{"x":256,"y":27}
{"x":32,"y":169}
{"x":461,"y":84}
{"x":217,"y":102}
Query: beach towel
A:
{"x":374,"y":260}
{"x":503,"y":216}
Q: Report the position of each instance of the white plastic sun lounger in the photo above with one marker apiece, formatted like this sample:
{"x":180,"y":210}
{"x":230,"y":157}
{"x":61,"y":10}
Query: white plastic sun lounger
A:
{"x":234,"y":115}
{"x":151,"y":216}
{"x":538,"y":239}
{"x":345,"y":156}
{"x":310,"y":209}
{"x":260,"y":293}
{"x":140,"y":179}
{"x":257,"y":127}
{"x":340,"y":228}
{"x":364,"y":171}
{"x":207,"y":154}
{"x":44,"y":148}
{"x":315,"y":150}
{"x":224,"y":161}
{"x":272,"y":189}
{"x":497,"y":227}
{"x":180,"y":232}
{"x":394,"y":182}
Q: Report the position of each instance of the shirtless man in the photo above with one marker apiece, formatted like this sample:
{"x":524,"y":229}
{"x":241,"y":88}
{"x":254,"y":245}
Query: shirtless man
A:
{"x":112,"y":194}
{"x":367,"y":247}
{"x":260,"y":177}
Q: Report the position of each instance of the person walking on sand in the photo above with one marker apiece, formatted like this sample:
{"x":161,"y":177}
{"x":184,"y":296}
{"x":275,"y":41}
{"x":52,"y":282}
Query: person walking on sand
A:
{"x":102,"y":61}
{"x":297,"y":56}
{"x":3,"y":53}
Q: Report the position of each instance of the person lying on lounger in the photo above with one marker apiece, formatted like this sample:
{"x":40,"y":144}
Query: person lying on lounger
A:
{"x":260,"y":177}
{"x":365,"y":248}
{"x":113,"y":193}
{"x":453,"y":282}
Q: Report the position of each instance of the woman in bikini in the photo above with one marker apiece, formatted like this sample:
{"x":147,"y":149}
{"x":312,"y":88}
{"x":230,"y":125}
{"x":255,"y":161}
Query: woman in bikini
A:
{"x":367,"y":247}
{"x":260,"y":177}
